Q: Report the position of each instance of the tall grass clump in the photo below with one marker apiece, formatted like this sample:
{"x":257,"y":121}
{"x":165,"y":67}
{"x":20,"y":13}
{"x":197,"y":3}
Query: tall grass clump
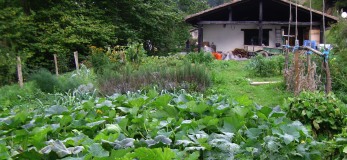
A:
{"x":266,"y":66}
{"x":187,"y":76}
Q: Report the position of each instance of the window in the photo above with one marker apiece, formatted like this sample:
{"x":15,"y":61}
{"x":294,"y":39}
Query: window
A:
{"x":251,"y":36}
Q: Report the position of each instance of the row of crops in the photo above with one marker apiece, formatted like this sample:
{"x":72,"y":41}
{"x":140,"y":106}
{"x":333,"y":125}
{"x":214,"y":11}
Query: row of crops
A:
{"x":153,"y":125}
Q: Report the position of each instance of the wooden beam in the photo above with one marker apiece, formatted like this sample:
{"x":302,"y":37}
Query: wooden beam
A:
{"x":262,"y":83}
{"x":256,"y":22}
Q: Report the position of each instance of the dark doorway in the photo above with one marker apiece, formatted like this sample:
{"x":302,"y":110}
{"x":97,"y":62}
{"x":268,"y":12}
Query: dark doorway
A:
{"x":251,"y":36}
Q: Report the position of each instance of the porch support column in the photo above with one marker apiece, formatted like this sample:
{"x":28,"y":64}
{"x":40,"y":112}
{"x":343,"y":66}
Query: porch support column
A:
{"x":321,"y":35}
{"x":230,"y":14}
{"x":260,"y":24}
{"x":200,"y":36}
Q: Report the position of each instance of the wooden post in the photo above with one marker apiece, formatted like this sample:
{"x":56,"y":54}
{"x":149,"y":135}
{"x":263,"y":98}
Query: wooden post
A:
{"x":296,"y":73}
{"x":19,"y":71}
{"x":200,"y":37}
{"x":308,"y":68}
{"x":286,"y":67}
{"x":327,"y":76}
{"x":56,"y":64}
{"x":76,"y":59}
{"x":260,"y":23}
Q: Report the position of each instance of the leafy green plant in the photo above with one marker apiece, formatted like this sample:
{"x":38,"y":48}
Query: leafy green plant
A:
{"x":325,"y":113}
{"x":147,"y":125}
{"x":201,"y":57}
{"x":266,"y":66}
{"x":45,"y":81}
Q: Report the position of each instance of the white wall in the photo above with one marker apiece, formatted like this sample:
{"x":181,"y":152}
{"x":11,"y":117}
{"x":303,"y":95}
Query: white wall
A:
{"x":230,"y":37}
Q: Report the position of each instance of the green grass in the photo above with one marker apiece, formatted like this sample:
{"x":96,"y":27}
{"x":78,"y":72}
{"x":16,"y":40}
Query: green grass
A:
{"x":232,"y":78}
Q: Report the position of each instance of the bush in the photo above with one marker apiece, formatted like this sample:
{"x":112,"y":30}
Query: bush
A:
{"x":45,"y":81}
{"x":49,"y":83}
{"x":266,"y":66}
{"x":202,"y":57}
{"x":325,"y":113}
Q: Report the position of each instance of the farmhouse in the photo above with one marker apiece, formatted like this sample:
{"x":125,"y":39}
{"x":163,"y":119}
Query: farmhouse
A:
{"x":244,"y":23}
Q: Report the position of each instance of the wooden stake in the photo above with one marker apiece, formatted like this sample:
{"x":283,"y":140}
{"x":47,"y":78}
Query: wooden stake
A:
{"x":76,"y":59}
{"x":286,"y":67}
{"x":19,"y":71}
{"x":296,"y":73}
{"x":327,"y":76}
{"x":56,"y":64}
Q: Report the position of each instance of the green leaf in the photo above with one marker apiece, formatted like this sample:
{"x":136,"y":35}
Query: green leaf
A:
{"x":253,"y":133}
{"x":266,"y":111}
{"x":56,"y":110}
{"x":162,"y":100}
{"x":97,"y":123}
{"x":137,"y":103}
{"x":113,"y":128}
{"x":4,"y":154}
{"x":345,"y":149}
{"x":97,"y":151}
{"x":195,"y":155}
{"x":156,"y":153}
{"x":288,"y":138}
{"x":233,"y":124}
{"x":119,"y":153}
{"x":201,"y":108}
{"x":316,"y":125}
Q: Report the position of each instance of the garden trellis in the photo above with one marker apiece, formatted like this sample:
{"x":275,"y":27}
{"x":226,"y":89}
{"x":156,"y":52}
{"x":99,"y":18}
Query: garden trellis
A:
{"x":299,"y":76}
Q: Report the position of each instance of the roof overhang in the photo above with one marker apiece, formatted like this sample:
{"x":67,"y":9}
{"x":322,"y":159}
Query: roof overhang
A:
{"x":216,"y":13}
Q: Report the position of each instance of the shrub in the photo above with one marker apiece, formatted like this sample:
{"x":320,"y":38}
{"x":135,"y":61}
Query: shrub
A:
{"x":49,"y":83}
{"x":201,"y":57}
{"x":45,"y":81}
{"x":266,"y":66}
{"x":325,"y":113}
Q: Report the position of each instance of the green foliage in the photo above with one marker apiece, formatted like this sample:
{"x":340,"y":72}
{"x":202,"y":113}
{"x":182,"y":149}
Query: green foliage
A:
{"x":325,"y":113}
{"x":154,"y":125}
{"x":202,"y":57}
{"x":7,"y":68}
{"x":338,"y":35}
{"x":266,"y":66}
{"x":49,"y":83}
{"x":45,"y":81}
{"x":37,"y":30}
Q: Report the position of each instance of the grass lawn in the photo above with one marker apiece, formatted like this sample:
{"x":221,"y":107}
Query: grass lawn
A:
{"x":232,"y":78}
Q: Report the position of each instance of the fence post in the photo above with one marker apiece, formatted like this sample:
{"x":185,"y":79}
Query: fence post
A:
{"x":296,"y":73}
{"x":56,"y":64}
{"x":19,"y":71}
{"x":328,"y":77}
{"x":76,"y":59}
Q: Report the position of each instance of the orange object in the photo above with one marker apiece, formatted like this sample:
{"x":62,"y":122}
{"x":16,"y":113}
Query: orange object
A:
{"x":219,"y":56}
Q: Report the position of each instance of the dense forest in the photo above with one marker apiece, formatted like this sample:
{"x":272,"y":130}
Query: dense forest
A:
{"x":37,"y":29}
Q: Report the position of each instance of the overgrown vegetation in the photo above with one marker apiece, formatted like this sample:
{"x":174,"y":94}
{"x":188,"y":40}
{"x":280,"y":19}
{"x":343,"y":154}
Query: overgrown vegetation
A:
{"x":266,"y":66}
{"x":338,"y":36}
{"x":325,"y":113}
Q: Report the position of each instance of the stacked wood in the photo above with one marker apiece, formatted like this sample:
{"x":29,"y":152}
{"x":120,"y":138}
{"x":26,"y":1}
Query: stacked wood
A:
{"x":240,"y":53}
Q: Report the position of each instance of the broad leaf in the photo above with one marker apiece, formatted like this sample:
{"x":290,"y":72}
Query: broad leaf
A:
{"x":97,"y":151}
{"x":55,"y":110}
